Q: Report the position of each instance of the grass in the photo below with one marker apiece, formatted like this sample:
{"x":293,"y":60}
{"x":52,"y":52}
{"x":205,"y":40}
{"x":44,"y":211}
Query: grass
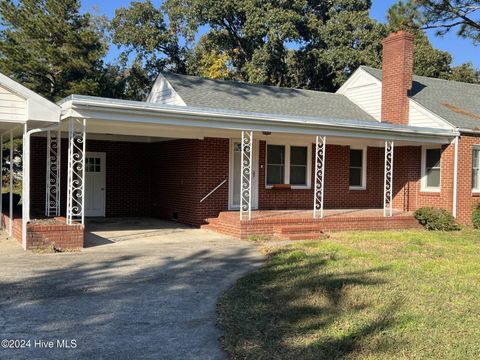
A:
{"x":365,"y":295}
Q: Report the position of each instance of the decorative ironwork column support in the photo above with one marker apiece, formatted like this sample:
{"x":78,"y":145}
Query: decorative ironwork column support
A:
{"x":76,"y":171}
{"x":319,"y":176}
{"x":246,"y":176}
{"x":388,"y":180}
{"x":52,"y":195}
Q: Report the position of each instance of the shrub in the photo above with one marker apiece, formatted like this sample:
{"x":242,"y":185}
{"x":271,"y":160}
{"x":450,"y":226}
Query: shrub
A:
{"x":476,"y":216}
{"x":436,"y":219}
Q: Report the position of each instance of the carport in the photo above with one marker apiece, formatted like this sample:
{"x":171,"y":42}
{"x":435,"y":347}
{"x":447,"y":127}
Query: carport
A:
{"x":22,"y":113}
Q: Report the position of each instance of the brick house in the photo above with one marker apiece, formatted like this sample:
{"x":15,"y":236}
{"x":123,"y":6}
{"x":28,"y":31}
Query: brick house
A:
{"x":248,"y":159}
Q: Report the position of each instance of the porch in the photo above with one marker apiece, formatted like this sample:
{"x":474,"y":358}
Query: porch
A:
{"x":301,"y":225}
{"x":154,"y":164}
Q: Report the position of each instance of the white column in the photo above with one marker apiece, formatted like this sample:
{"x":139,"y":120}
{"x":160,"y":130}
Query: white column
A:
{"x":388,"y":180}
{"x":76,"y":171}
{"x":320,"y":148}
{"x":25,"y":185}
{"x":10,"y":208}
{"x":455,"y":178}
{"x":52,"y":189}
{"x":246,"y":176}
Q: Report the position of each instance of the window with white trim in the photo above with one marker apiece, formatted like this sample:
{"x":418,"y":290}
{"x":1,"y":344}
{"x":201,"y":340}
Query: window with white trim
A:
{"x":288,"y":164}
{"x":298,"y":165}
{"x":357,"y":169}
{"x":275,"y":164}
{"x":476,"y":169}
{"x":431,"y":169}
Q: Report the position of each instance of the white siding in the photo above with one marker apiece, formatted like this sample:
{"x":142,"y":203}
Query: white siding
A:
{"x":419,"y":116}
{"x":12,"y":106}
{"x":366,"y":92}
{"x":163,"y":93}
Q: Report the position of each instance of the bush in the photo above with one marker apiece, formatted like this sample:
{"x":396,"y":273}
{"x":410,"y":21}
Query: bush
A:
{"x":476,"y":217}
{"x":436,"y":219}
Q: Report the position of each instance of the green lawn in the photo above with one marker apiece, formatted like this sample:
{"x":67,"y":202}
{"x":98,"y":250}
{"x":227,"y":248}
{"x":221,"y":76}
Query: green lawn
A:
{"x":366,"y":295}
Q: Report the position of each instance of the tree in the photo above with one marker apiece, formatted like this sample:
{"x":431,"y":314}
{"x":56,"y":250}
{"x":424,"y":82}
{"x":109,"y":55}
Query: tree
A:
{"x":299,"y":43}
{"x":149,"y":46}
{"x":428,"y":61}
{"x":51,"y":48}
{"x":210,"y":61}
{"x":445,"y":15}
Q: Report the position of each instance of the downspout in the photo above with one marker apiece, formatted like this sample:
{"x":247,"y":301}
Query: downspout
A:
{"x":26,"y":178}
{"x":455,"y":178}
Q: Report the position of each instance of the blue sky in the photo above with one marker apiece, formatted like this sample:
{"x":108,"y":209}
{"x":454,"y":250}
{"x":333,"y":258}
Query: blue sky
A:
{"x":462,"y":50}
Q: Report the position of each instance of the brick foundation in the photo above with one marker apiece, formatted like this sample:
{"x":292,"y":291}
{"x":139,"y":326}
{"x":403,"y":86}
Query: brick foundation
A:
{"x":52,"y":234}
{"x":299,"y":227}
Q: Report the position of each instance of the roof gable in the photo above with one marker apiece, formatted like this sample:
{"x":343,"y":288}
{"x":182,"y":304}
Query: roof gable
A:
{"x":456,"y":102}
{"x":35,"y":107}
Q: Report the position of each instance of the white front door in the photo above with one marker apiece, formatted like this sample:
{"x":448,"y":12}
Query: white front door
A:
{"x":95,"y":184}
{"x":235,"y":175}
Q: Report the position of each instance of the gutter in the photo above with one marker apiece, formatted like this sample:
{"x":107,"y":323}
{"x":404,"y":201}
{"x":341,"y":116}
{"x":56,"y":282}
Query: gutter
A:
{"x":469,"y":131}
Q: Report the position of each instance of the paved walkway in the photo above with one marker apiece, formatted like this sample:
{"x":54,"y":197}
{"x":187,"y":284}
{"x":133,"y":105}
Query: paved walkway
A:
{"x":150,"y":293}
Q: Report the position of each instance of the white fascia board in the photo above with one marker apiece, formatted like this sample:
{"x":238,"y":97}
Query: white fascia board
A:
{"x":203,"y":118}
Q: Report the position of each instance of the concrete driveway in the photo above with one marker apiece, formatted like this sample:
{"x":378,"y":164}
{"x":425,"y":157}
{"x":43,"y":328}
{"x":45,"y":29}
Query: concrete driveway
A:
{"x":142,"y":289}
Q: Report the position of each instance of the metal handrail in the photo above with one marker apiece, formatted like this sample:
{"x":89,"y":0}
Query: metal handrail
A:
{"x":211,"y":192}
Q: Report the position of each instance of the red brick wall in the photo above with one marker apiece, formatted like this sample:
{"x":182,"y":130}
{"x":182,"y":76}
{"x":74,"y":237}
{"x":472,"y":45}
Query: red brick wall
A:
{"x":407,"y":180}
{"x":128,"y":177}
{"x":186,"y":171}
{"x":337,"y":193}
{"x":466,"y":199}
{"x":397,"y":66}
{"x":213,"y":168}
{"x":164,"y":178}
{"x":127,"y":163}
{"x":40,"y":235}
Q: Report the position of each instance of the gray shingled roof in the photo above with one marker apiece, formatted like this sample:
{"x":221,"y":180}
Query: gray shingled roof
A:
{"x":456,"y":102}
{"x":233,"y":95}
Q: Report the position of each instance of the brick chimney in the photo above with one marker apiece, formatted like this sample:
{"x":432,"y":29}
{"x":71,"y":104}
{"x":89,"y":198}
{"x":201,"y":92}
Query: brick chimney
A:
{"x":397,"y":71}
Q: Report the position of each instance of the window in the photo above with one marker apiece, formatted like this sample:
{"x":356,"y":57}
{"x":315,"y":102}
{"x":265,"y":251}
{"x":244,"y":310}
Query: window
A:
{"x":92,"y":164}
{"x":357,"y":169}
{"x":298,"y":165}
{"x":288,"y":164}
{"x":275,"y":164}
{"x":476,"y":169}
{"x":431,"y":169}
